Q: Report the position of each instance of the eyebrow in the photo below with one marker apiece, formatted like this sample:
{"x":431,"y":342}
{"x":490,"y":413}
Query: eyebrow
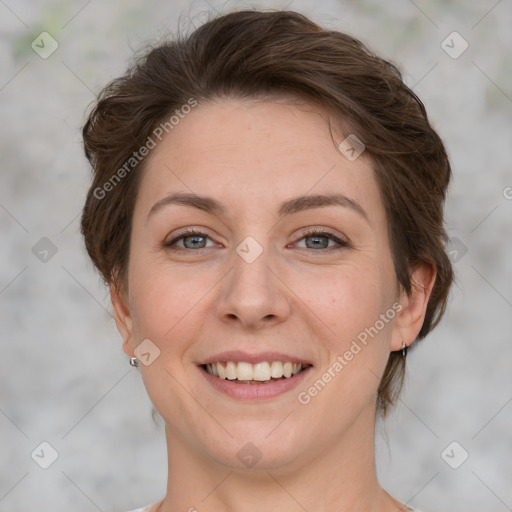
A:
{"x":288,"y":207}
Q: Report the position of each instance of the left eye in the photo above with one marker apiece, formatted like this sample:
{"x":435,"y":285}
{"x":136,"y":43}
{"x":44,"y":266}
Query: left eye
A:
{"x":320,"y":240}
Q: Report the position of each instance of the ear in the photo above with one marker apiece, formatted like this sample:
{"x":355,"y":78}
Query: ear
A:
{"x":122,"y":317}
{"x":410,"y":318}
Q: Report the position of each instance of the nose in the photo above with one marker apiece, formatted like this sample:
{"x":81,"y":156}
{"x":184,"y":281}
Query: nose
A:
{"x":253,"y":294}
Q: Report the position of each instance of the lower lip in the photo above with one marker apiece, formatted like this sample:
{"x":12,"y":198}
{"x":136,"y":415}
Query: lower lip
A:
{"x":254,"y":391}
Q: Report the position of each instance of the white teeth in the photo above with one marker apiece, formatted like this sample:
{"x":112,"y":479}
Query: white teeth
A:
{"x":276,"y":370}
{"x":221,"y":370}
{"x":244,"y":371}
{"x":261,"y":372}
{"x":231,"y":370}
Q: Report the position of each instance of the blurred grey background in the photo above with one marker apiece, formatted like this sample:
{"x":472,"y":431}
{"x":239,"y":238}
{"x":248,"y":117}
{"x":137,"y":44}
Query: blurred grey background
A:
{"x":64,"y":378}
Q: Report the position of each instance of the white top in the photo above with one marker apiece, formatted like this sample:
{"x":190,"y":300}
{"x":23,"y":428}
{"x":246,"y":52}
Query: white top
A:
{"x":146,"y":509}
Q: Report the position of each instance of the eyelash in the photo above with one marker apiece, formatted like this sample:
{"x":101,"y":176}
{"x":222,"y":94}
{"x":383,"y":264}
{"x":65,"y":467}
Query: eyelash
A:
{"x":342,"y":244}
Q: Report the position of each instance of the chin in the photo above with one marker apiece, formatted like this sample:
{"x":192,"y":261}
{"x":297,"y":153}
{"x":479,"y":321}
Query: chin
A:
{"x":258,"y":446}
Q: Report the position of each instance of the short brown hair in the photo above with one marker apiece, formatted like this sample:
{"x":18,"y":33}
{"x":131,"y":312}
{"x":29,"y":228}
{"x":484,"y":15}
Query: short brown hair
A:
{"x":250,"y":54}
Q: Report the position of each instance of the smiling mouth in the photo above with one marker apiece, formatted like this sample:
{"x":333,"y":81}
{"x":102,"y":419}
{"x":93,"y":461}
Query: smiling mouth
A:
{"x":260,"y":373}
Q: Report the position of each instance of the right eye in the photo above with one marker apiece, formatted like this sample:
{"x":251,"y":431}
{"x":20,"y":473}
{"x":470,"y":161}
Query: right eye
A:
{"x":192,"y":240}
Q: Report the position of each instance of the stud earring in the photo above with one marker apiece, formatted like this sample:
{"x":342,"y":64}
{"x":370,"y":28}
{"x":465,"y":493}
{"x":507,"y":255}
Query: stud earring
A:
{"x":134,"y":361}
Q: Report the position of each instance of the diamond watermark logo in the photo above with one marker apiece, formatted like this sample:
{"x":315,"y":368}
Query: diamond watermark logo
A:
{"x":44,"y":455}
{"x":44,"y":250}
{"x":454,"y":455}
{"x":146,"y":352}
{"x":249,"y":249}
{"x":454,"y":45}
{"x":456,"y":249}
{"x":249,"y":455}
{"x":44,"y":45}
{"x":352,"y":147}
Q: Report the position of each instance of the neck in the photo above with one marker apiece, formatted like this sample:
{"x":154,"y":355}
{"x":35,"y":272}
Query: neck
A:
{"x":341,"y":477}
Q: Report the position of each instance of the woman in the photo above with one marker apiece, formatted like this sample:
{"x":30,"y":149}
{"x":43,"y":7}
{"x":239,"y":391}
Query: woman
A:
{"x":267,"y":210}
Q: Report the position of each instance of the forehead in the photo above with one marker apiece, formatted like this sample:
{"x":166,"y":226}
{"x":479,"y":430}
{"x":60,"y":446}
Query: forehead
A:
{"x":238,"y":150}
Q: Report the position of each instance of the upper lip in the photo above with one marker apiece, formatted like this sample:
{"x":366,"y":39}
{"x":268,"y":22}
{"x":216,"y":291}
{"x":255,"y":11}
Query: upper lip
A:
{"x":240,"y":356}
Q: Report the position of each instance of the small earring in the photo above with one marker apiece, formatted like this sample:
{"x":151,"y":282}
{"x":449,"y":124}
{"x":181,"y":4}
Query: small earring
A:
{"x":134,"y":361}
{"x":404,"y":349}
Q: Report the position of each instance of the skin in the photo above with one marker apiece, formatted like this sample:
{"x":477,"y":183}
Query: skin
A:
{"x":310,"y":302}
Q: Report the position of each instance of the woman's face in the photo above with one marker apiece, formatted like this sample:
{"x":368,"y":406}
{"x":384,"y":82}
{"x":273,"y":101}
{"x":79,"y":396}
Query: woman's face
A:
{"x":255,"y":287}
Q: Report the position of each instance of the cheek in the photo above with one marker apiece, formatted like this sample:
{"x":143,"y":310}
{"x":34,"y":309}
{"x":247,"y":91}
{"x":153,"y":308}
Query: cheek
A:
{"x":165,"y":301}
{"x":345,"y":300}
{"x":348,"y":305}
